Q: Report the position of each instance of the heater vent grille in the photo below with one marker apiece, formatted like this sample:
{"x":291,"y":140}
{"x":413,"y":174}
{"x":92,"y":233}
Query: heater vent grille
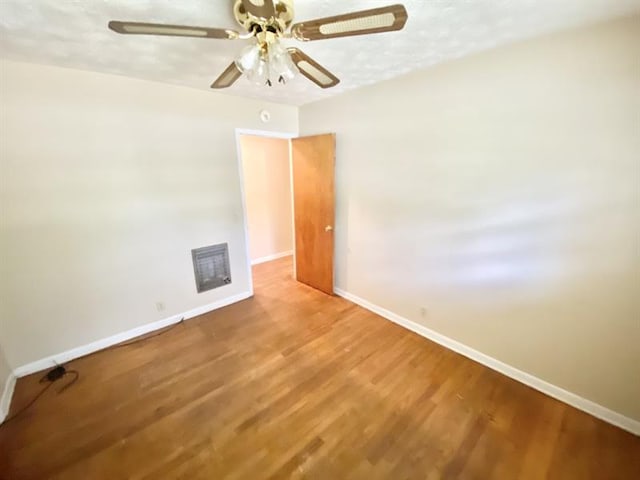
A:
{"x":211,"y":267}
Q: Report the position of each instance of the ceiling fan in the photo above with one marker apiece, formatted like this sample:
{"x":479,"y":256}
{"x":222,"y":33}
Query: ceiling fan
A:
{"x":266,"y":61}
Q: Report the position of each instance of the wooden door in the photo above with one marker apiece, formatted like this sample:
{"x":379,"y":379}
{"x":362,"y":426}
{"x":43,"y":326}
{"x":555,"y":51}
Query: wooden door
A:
{"x":313,"y":161}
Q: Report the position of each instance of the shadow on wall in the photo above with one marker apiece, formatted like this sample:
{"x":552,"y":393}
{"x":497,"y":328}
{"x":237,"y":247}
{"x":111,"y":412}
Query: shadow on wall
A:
{"x":534,"y":237}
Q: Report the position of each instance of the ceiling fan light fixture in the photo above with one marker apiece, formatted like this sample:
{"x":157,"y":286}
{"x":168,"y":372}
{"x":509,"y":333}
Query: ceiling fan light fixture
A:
{"x":266,"y":64}
{"x":259,"y":74}
{"x":280,"y":63}
{"x":249,"y":58}
{"x":266,"y":61}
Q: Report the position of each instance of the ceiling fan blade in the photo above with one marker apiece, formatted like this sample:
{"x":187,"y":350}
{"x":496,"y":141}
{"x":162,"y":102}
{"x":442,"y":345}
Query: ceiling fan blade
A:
{"x":376,"y":20}
{"x":312,"y":69}
{"x":228,"y":77}
{"x":260,"y":8}
{"x":137,"y":28}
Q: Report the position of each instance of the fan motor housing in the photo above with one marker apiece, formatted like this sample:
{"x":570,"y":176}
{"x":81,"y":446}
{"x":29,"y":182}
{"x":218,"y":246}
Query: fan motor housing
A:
{"x":284,"y":16}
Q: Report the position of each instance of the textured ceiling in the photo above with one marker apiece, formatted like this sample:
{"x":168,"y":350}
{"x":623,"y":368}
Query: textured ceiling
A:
{"x":73,"y":33}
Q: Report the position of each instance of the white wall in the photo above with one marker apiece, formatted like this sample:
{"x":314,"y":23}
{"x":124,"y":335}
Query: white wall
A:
{"x":267,"y":189}
{"x":501,"y":192}
{"x":107,"y":185}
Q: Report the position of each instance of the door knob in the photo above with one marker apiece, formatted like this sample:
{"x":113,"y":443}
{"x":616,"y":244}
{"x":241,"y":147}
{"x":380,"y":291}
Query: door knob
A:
{"x":328,"y":228}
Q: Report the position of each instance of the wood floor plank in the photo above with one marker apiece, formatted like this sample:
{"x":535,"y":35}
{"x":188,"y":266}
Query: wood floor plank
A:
{"x":293,"y":383}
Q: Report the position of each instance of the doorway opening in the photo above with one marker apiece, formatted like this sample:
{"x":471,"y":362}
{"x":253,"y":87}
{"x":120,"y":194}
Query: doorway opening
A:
{"x":266,"y":177}
{"x":287,"y":186}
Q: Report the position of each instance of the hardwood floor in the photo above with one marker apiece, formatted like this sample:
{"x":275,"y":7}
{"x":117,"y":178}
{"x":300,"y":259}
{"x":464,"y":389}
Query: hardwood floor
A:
{"x":296,"y":384}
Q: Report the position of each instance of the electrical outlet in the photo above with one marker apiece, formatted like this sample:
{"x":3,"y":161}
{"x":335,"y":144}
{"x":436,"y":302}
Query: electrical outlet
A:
{"x":160,"y":306}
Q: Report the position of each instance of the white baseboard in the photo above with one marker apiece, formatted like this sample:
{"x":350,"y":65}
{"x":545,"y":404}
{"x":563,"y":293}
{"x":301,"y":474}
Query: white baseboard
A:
{"x":268,"y":258}
{"x":7,"y":395}
{"x":547,"y":388}
{"x":83,"y":350}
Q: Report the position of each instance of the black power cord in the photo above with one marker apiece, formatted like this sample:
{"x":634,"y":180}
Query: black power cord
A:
{"x":144,"y":337}
{"x":49,"y":378}
{"x":60,"y":371}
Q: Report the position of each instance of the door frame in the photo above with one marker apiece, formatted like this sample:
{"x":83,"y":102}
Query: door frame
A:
{"x":245,"y":220}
